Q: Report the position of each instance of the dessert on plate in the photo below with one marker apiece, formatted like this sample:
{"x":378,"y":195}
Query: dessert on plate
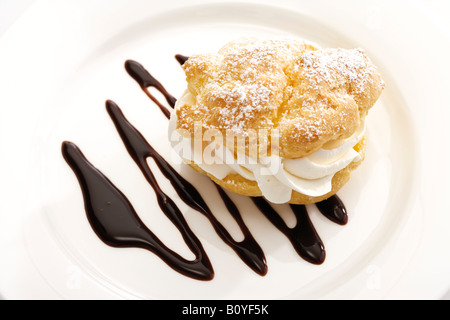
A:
{"x":283,"y":119}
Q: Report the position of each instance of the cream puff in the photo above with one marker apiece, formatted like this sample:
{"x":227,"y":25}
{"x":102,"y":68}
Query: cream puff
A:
{"x":282,"y":119}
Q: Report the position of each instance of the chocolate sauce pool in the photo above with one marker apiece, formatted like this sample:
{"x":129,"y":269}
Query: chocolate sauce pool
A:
{"x":115,"y":221}
{"x":117,"y":224}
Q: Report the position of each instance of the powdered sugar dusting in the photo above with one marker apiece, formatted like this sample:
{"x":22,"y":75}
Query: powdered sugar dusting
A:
{"x":242,"y":103}
{"x":309,"y":95}
{"x":246,"y":85}
{"x":333,"y":66}
{"x":310,"y":129}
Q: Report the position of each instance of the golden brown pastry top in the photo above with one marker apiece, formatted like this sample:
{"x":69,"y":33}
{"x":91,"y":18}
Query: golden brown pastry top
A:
{"x":310,"y":96}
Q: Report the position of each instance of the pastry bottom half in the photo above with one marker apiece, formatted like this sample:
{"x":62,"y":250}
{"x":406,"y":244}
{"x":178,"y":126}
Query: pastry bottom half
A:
{"x":240,"y":185}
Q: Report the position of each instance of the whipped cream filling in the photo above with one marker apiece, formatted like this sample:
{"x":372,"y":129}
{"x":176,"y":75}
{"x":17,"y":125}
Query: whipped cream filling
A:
{"x":277,"y":177}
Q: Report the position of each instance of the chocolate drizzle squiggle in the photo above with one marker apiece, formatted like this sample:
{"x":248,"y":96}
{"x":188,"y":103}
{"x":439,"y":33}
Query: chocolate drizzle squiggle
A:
{"x":139,"y":149}
{"x":116,"y":223}
{"x":303,"y":236}
{"x":145,"y":81}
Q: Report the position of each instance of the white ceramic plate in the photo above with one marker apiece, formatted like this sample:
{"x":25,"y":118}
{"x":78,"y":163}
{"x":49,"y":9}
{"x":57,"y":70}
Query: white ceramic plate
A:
{"x":62,"y":60}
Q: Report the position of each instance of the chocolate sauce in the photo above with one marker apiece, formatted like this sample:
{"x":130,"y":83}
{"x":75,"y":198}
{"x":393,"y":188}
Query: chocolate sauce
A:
{"x":181,"y":59}
{"x":146,"y":80}
{"x":139,"y":149}
{"x":334,"y":209}
{"x":303,"y":236}
{"x":116,"y":223}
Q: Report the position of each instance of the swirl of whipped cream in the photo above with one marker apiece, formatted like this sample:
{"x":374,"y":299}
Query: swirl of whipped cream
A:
{"x":276,"y":177}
